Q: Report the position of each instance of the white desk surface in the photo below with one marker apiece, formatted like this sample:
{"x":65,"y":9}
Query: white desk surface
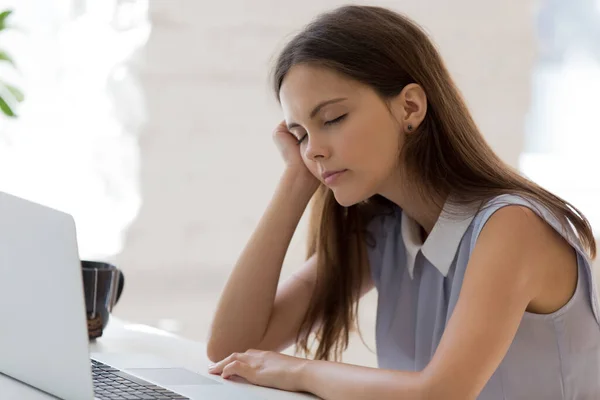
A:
{"x":122,"y":337}
{"x":137,"y":340}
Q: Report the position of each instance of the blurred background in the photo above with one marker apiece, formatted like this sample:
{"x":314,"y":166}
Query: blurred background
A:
{"x":150,"y":122}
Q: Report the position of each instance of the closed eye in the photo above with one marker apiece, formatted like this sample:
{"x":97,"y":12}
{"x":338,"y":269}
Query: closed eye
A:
{"x":302,"y":138}
{"x":335,"y":121}
{"x":327,"y":123}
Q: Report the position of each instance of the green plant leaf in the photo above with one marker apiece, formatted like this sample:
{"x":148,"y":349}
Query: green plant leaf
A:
{"x":5,"y":108}
{"x":18,"y":94}
{"x":5,"y":57}
{"x":3,"y":16}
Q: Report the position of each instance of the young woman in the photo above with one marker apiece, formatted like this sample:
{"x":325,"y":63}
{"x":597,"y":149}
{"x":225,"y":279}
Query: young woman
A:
{"x":484,"y":278}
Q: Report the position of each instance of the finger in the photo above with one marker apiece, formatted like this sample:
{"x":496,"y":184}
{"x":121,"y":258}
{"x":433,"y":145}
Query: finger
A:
{"x":282,"y":126}
{"x":238,"y":368}
{"x":217,"y":368}
{"x":281,"y":129}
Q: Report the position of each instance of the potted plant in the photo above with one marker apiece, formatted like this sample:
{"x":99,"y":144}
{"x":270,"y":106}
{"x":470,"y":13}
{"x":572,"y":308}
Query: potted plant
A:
{"x":9,"y":95}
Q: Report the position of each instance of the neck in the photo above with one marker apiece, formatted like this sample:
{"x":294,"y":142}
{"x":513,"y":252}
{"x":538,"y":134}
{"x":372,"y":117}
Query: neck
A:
{"x":424,"y":211}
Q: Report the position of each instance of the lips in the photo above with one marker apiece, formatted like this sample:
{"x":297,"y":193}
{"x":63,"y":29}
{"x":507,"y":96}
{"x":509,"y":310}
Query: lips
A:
{"x":330,"y":177}
{"x":327,"y":174}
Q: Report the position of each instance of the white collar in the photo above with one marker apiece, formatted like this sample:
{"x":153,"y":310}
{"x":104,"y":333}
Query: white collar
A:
{"x":441,"y":244}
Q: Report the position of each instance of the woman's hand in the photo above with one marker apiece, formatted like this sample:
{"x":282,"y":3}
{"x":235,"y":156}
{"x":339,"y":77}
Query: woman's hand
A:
{"x":289,"y":148}
{"x":262,"y":368}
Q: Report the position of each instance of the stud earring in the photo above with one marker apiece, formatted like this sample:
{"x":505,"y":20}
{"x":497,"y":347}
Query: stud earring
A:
{"x":409,"y":127}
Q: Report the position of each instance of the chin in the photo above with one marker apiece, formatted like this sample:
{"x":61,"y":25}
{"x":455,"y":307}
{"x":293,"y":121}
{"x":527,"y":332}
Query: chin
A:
{"x":348,"y":198}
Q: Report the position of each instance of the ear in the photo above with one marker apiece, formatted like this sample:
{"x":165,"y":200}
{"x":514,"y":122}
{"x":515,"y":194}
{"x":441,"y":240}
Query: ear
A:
{"x":409,"y":107}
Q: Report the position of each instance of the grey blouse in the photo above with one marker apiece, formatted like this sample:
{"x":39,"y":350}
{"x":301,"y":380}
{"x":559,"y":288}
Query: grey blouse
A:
{"x":553,"y":356}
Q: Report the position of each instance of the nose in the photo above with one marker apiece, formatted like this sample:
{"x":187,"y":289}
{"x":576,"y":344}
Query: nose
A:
{"x":317,"y":149}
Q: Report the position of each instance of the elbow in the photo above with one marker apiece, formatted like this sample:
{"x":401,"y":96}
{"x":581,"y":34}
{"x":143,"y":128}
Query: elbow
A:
{"x":215,"y":349}
{"x":215,"y":352}
{"x":219,"y":346}
{"x":213,"y":356}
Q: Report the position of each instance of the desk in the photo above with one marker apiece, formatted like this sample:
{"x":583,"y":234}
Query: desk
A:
{"x":137,"y":340}
{"x":121,"y":337}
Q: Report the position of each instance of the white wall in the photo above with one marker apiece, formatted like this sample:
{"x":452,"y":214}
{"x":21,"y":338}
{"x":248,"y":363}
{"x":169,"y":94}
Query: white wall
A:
{"x":207,"y":162}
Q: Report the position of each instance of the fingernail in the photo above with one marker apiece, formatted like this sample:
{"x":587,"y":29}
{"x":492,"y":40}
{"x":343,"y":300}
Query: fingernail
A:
{"x":212,"y":366}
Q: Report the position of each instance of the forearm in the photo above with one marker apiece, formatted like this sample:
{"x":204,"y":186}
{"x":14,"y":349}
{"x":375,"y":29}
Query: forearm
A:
{"x":247,"y":300}
{"x":337,"y":381}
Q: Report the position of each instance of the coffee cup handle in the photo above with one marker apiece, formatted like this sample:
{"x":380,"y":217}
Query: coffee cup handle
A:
{"x":120,"y":286}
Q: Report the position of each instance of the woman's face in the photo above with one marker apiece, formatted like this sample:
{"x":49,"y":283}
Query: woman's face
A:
{"x":343,"y":126}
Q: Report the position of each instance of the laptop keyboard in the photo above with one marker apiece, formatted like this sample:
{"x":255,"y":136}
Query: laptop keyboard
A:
{"x":113,"y":384}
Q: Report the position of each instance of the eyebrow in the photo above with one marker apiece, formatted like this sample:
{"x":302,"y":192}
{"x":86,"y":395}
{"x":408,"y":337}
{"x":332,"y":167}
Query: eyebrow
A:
{"x":318,"y":108}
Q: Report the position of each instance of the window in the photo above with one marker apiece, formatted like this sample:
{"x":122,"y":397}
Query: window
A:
{"x":74,"y":146}
{"x":562,"y":142}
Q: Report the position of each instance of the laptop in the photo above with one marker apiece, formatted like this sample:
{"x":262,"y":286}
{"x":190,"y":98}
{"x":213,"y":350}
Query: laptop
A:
{"x":43,"y":330}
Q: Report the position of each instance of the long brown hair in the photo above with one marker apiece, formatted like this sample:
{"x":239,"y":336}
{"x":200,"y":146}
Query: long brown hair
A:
{"x":448,"y":154}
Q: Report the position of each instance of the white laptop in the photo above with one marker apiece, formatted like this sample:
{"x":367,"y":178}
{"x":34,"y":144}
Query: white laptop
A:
{"x":43,"y":330}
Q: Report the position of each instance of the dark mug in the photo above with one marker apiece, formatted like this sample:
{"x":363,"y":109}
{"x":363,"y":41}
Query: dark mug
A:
{"x":102,"y":287}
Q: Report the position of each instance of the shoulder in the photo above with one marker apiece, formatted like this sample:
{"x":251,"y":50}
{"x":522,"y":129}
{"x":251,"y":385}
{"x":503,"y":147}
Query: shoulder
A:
{"x":519,"y":245}
{"x":524,"y":226}
{"x":518,"y":227}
